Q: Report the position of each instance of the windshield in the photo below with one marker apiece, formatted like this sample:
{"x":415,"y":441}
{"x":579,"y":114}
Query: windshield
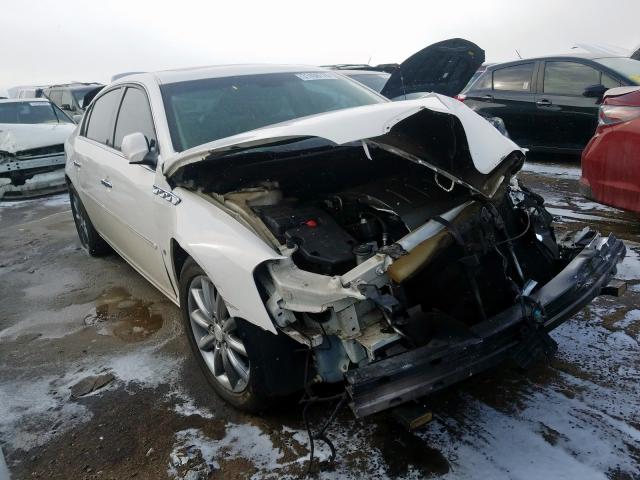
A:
{"x":627,"y":67}
{"x":200,"y":111}
{"x":375,"y":81}
{"x":31,"y":112}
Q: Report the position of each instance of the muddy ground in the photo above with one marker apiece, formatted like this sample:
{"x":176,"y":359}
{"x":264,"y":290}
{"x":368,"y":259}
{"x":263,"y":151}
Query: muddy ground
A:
{"x":70,"y":323}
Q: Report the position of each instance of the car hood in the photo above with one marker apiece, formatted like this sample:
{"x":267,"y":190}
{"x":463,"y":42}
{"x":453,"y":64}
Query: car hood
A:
{"x":17,"y":137}
{"x":444,"y":67}
{"x":400,"y":127}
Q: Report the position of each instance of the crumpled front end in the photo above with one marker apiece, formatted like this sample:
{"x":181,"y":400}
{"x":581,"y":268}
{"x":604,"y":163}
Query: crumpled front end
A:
{"x":410,"y":237}
{"x":32,"y":172}
{"x":469,"y":288}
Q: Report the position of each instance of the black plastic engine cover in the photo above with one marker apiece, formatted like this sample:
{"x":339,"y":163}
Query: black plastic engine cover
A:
{"x":323,"y":246}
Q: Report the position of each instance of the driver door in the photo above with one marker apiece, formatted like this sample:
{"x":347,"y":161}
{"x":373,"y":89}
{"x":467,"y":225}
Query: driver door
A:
{"x":132,"y":203}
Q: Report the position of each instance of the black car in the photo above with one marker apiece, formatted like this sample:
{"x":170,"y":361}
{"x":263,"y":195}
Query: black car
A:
{"x":551,"y":103}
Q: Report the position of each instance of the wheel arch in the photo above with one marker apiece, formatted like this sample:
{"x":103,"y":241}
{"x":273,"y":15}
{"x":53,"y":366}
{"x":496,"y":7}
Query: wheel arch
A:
{"x":240,"y":291}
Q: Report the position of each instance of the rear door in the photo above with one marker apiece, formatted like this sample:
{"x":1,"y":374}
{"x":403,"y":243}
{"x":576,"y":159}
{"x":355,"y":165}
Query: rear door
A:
{"x":508,"y":93}
{"x":564,"y":117}
{"x":94,"y":150}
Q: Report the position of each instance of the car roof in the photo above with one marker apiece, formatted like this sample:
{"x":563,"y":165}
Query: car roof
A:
{"x":363,"y":72}
{"x":563,"y":56}
{"x":21,"y":100}
{"x":215,"y":71}
{"x":74,"y":86}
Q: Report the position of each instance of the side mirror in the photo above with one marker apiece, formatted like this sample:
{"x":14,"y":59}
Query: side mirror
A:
{"x":594,"y":91}
{"x":135,"y":147}
{"x":77,"y":118}
{"x":66,"y":106}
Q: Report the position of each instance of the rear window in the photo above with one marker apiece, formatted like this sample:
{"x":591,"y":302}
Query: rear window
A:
{"x":31,"y":113}
{"x":516,"y":78}
{"x":201,"y":111}
{"x":627,"y":67}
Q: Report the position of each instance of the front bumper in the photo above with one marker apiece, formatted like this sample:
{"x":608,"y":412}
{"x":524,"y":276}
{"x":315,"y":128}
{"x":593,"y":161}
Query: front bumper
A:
{"x":422,"y":371}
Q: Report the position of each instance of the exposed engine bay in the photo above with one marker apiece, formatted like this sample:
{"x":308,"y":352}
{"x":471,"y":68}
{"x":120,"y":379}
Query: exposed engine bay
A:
{"x":398,"y":255}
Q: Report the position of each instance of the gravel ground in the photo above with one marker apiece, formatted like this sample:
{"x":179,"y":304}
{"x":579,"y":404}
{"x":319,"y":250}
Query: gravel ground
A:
{"x":70,"y":324}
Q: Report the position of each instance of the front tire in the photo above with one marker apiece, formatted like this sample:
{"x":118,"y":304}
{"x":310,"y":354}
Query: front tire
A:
{"x":90,"y":239}
{"x":246,"y":366}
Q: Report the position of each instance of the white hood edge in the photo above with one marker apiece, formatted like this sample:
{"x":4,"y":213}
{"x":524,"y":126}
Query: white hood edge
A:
{"x":488,"y":147}
{"x":16,"y":137}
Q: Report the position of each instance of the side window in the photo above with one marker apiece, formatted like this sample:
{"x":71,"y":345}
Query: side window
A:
{"x":609,"y":82}
{"x":100,"y":127}
{"x":569,"y":78}
{"x":134,"y":116}
{"x":515,"y":79}
{"x":66,"y":99}
{"x":484,"y":82}
{"x":55,"y":96}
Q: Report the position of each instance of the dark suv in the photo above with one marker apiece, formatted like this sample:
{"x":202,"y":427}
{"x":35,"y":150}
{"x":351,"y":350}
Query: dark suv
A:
{"x":71,"y":97}
{"x":551,"y":103}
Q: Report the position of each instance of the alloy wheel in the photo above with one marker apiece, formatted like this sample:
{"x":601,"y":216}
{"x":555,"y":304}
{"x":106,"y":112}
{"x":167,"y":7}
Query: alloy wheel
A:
{"x":216,"y":335}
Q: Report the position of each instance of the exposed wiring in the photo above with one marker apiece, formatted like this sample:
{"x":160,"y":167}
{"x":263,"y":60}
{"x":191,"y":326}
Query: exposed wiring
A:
{"x":520,"y":235}
{"x":309,"y":398}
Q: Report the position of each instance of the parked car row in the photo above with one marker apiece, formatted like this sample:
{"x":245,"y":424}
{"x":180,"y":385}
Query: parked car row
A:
{"x":33,"y":128}
{"x":550,"y":104}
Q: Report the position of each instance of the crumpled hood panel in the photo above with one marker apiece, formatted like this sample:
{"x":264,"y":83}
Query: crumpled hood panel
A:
{"x":15,"y":138}
{"x":487,"y":147}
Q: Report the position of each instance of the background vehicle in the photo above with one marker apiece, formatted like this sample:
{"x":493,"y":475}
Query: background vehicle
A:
{"x":611,"y":160}
{"x":32,"y":135}
{"x":373,"y":79}
{"x":71,"y":97}
{"x":296,"y":216}
{"x":29,"y":92}
{"x":551,"y":103}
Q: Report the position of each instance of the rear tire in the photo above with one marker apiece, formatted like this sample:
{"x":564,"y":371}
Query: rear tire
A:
{"x":90,"y":239}
{"x":248,"y":367}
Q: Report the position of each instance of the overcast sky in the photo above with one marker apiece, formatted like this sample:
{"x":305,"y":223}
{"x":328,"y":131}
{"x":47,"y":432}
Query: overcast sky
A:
{"x":58,"y":41}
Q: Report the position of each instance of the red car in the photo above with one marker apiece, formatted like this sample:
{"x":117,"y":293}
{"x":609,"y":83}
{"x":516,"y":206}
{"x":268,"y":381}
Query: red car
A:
{"x":611,"y":160}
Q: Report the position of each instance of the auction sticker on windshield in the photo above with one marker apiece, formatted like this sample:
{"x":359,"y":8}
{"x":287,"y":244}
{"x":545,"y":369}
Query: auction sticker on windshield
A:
{"x":316,"y":76}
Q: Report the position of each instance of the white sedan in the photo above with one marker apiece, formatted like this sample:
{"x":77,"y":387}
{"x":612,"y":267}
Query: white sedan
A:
{"x":313,"y":231}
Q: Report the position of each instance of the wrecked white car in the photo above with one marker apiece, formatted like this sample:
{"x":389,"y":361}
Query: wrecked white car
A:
{"x":32,"y":136}
{"x":313,"y":231}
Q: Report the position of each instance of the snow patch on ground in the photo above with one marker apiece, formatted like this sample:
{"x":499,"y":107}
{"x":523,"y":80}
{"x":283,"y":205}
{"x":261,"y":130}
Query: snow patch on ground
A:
{"x":586,"y":205}
{"x":27,"y":405}
{"x":630,"y":266}
{"x":548,"y":169}
{"x":185,"y":405}
{"x":240,"y":441}
{"x":249,"y":442}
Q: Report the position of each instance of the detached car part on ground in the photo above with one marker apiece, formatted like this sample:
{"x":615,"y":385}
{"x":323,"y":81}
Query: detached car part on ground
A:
{"x":32,"y":135}
{"x":386,"y":246}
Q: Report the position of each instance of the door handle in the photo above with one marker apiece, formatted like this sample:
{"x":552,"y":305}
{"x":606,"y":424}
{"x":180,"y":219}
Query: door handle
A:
{"x":544,"y":103}
{"x":487,"y":97}
{"x":77,"y":164}
{"x":106,"y":183}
